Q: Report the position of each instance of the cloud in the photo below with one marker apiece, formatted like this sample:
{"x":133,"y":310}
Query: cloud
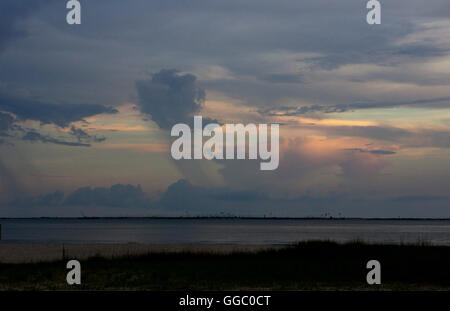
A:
{"x":21,"y":109}
{"x":124,"y":196}
{"x":374,"y":151}
{"x":184,"y":199}
{"x":11,"y":13}
{"x":183,"y":196}
{"x":421,"y":198}
{"x":269,"y":54}
{"x":428,"y":138}
{"x":116,"y":196}
{"x":10,"y":185}
{"x":310,"y":163}
{"x":313,"y":154}
{"x":52,"y":199}
{"x":7,"y":123}
{"x":33,"y":136}
{"x":47,"y":113}
{"x":414,"y":138}
{"x":283,"y":78}
{"x":170,"y":97}
{"x":374,"y":132}
{"x":248,"y":44}
{"x":294,"y":111}
{"x":357,"y":165}
{"x":179,"y":196}
{"x":388,"y":55}
{"x":83,"y":136}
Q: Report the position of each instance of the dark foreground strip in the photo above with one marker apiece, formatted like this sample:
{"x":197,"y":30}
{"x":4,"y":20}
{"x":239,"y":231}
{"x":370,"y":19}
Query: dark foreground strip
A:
{"x":228,"y":300}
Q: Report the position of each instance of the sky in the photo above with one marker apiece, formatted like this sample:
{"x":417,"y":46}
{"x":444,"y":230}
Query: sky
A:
{"x":86,"y":110}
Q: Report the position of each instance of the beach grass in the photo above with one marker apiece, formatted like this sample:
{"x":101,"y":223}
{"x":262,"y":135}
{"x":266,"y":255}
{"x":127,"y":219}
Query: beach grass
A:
{"x":313,"y":265}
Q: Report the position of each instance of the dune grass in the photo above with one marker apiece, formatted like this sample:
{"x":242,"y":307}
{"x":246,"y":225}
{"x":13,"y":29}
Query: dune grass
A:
{"x":315,"y":265}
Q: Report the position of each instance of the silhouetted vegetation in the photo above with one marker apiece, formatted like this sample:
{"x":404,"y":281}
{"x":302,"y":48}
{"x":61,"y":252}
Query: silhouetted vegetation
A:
{"x":306,"y":265}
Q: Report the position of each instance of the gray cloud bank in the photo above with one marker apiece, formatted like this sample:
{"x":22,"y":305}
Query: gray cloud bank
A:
{"x":273,"y":50}
{"x":115,"y":196}
{"x":184,"y":199}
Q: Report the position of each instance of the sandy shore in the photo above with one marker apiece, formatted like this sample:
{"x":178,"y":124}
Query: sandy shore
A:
{"x":36,"y":252}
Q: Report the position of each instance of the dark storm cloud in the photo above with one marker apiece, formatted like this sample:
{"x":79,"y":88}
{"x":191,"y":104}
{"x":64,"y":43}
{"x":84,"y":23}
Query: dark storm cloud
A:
{"x":34,"y":136}
{"x":47,"y":113}
{"x":170,"y":97}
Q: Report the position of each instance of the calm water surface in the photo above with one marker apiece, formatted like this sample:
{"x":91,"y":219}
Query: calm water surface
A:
{"x":224,"y":231}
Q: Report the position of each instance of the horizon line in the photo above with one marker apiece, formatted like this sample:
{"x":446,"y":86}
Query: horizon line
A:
{"x":228,"y":217}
